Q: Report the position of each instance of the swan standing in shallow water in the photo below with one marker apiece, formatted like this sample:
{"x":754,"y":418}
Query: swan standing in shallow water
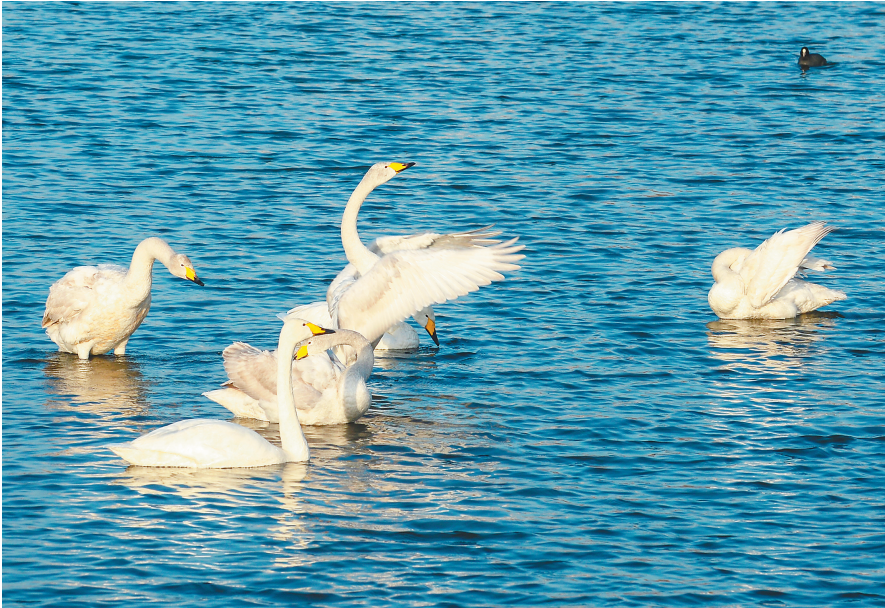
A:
{"x":760,"y":283}
{"x":93,"y":309}
{"x":382,"y":289}
{"x":325,"y":391}
{"x":216,"y":444}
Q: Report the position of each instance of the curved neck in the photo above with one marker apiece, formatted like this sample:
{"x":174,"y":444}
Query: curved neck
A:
{"x":360,"y":369}
{"x":722,"y":270}
{"x":291,"y":434}
{"x":142,"y":264}
{"x":357,"y":254}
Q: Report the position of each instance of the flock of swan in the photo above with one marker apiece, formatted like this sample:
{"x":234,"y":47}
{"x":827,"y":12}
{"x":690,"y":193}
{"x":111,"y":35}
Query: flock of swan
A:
{"x":325,"y":353}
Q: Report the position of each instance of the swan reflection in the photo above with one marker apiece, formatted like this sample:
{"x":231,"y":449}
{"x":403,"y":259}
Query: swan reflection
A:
{"x":104,"y":386}
{"x":761,"y":345}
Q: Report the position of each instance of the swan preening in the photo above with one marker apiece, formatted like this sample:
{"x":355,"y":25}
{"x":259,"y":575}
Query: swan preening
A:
{"x":94,"y":309}
{"x":325,"y":391}
{"x":761,"y":283}
{"x":405,"y":276}
{"x":216,"y":444}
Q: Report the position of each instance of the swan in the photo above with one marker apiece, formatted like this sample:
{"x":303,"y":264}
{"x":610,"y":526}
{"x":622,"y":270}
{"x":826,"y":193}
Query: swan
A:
{"x":216,"y":444}
{"x":93,"y":309}
{"x":760,"y":283}
{"x":382,"y":289}
{"x":325,"y":391}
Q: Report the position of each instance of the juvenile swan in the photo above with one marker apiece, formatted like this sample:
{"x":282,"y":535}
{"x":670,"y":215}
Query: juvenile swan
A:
{"x":760,"y":284}
{"x":325,"y":391}
{"x":93,"y":309}
{"x":385,"y":288}
{"x":216,"y":444}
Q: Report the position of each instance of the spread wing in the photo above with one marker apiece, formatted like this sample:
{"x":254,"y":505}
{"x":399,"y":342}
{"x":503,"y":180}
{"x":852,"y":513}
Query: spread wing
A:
{"x":251,"y":370}
{"x":776,"y":261}
{"x":254,"y":372}
{"x":405,"y":281}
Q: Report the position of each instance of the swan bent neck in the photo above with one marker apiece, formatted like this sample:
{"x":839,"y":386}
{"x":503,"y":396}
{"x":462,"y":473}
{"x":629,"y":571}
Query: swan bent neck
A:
{"x":142,"y":264}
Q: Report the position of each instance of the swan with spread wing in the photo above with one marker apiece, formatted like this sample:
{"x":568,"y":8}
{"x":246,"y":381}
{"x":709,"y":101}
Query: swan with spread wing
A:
{"x":325,"y":391}
{"x":405,"y":276}
{"x":760,"y":283}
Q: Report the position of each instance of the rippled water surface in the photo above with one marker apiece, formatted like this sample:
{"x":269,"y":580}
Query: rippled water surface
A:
{"x":588,"y":434}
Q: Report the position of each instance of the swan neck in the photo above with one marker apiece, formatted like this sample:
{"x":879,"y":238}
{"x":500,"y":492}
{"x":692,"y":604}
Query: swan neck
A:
{"x":721,"y":268}
{"x":291,"y":433}
{"x":360,"y":369}
{"x":357,"y":254}
{"x":142,"y":264}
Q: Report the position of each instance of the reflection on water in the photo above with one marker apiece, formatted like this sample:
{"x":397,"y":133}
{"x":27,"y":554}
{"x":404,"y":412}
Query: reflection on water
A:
{"x":756,"y":345}
{"x":100,"y":385}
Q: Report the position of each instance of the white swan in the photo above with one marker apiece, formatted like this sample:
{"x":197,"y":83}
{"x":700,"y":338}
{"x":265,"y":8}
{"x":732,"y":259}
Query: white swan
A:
{"x":216,"y":444}
{"x":93,"y":309}
{"x":325,"y":391}
{"x":383,"y":289}
{"x":760,"y":283}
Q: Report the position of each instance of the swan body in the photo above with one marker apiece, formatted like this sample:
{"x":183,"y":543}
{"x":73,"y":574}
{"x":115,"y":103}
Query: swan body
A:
{"x":325,"y":391}
{"x":94,"y":309}
{"x":217,"y":444}
{"x":382,"y":289}
{"x":761,"y":283}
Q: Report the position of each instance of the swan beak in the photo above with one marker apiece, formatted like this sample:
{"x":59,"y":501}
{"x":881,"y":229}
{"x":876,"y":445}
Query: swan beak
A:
{"x":302,"y":353}
{"x":431,"y":329}
{"x":400,"y":167}
{"x":191,"y":275}
{"x":318,"y":331}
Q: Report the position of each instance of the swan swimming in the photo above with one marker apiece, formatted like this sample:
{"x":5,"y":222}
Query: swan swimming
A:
{"x":216,"y":444}
{"x":93,"y":309}
{"x":384,"y":288}
{"x":760,"y":283}
{"x":325,"y":391}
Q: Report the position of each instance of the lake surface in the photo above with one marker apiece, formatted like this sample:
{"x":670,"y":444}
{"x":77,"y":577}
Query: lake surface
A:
{"x":588,"y":433}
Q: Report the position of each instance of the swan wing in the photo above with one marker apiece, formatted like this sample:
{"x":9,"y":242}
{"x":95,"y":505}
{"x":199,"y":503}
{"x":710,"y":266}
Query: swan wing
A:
{"x":403,"y":282}
{"x":251,"y":370}
{"x":388,"y":244}
{"x":776,"y":261}
{"x":70,"y":295}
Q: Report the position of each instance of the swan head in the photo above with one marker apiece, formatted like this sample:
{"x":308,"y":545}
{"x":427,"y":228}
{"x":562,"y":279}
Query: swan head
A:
{"x":299,"y":329}
{"x":183,"y":268}
{"x":426,"y":319}
{"x":381,"y":173}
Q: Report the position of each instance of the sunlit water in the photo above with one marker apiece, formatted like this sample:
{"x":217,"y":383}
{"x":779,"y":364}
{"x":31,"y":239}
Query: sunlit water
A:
{"x":588,"y":433}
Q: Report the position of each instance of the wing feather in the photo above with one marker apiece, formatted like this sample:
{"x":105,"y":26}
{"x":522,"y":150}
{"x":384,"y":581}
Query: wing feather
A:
{"x":405,"y":281}
{"x":776,"y":261}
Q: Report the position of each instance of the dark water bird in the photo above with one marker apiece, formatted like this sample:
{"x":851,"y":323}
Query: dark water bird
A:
{"x":810,"y":60}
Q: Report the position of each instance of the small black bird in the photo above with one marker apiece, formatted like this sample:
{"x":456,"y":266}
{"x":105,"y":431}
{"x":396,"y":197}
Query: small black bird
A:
{"x":810,"y":60}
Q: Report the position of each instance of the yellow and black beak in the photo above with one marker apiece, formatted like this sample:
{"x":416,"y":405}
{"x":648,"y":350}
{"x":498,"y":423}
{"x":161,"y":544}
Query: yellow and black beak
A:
{"x":302,"y":353}
{"x":191,"y":275}
{"x":431,"y":329}
{"x":318,"y":331}
{"x":400,"y":167}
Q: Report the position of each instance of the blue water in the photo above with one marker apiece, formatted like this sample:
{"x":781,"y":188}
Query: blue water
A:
{"x":588,"y":434}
